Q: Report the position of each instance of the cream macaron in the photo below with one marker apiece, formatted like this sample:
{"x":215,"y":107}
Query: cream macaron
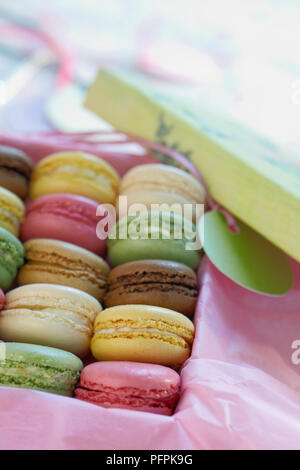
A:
{"x":49,"y":315}
{"x":162,"y":184}
{"x":142,"y":333}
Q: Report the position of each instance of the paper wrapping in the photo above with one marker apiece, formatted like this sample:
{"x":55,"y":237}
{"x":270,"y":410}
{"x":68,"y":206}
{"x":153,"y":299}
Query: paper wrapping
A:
{"x":240,"y":389}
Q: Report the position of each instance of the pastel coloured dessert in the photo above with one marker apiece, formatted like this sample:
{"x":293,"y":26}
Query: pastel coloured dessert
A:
{"x":162,"y":184}
{"x":67,"y":217}
{"x":12,"y":211}
{"x":142,"y":333}
{"x":154,"y":235}
{"x":76,"y":173}
{"x":39,"y":367}
{"x":15,"y":170}
{"x":56,"y":262}
{"x":130,"y":385}
{"x":2,"y":299}
{"x":49,"y":315}
{"x":153,"y":282}
{"x":11,"y":258}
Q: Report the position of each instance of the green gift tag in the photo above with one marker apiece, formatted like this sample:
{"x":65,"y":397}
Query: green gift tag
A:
{"x":245,"y":257}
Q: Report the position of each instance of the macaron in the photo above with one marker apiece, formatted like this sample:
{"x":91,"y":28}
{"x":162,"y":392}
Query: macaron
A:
{"x":142,"y":333}
{"x":76,"y":173}
{"x":162,"y":184}
{"x":130,"y":385}
{"x":11,"y":258}
{"x":39,"y":368}
{"x":153,"y":282}
{"x":15,"y":170}
{"x":12,"y":211}
{"x":2,"y":299}
{"x":49,"y":315}
{"x":154,"y":235}
{"x":56,"y":262}
{"x":65,"y":217}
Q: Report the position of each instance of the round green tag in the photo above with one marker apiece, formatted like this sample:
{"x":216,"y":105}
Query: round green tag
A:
{"x":245,"y":257}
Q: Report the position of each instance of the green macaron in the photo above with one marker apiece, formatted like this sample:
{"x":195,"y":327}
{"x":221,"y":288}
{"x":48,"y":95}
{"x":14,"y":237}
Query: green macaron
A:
{"x":38,"y":367}
{"x":154,"y":235}
{"x":11,"y":257}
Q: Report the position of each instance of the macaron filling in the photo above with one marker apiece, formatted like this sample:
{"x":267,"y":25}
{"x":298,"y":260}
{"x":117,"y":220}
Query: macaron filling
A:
{"x":147,"y":281}
{"x":26,"y":375}
{"x":15,"y":160}
{"x":11,"y":208}
{"x":55,"y":263}
{"x":15,"y":170}
{"x":154,"y":225}
{"x":162,"y":335}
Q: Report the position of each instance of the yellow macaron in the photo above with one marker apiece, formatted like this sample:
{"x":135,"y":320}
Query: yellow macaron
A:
{"x":142,"y":333}
{"x":12,"y":211}
{"x":76,"y":173}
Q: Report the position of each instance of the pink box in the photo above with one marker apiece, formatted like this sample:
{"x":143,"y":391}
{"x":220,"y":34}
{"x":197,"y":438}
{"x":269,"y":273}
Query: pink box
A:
{"x":240,"y":387}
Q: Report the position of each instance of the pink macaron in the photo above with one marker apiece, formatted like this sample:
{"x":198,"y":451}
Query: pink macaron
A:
{"x":65,"y":217}
{"x":2,"y":299}
{"x":130,"y":385}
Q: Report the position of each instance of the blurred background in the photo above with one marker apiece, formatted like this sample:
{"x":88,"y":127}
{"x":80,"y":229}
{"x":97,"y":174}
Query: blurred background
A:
{"x":239,"y":57}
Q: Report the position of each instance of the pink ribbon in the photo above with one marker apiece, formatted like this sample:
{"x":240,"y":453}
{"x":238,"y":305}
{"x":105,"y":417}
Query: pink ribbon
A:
{"x":62,"y":53}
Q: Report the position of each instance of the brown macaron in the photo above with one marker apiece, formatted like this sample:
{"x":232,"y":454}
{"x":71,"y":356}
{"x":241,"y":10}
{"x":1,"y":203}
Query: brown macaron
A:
{"x":15,"y":170}
{"x":162,"y":283}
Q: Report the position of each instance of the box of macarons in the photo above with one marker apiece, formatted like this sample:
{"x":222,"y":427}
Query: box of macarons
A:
{"x":139,"y":310}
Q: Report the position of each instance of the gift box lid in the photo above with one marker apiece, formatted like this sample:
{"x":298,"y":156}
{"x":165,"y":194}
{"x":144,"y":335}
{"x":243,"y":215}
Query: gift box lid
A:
{"x":253,"y":178}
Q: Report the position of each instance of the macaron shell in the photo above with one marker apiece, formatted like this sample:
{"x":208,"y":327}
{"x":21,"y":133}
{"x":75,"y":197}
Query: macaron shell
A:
{"x":154,"y":235}
{"x":164,"y":179}
{"x":75,"y":173}
{"x":57,"y":262}
{"x":109,"y":401}
{"x":42,"y":356}
{"x":66,"y":217}
{"x":124,"y":251}
{"x":2,"y":299}
{"x":15,"y":170}
{"x":130,"y":385}
{"x":148,"y":200}
{"x":120,"y":374}
{"x":154,"y":282}
{"x":12,"y":257}
{"x":14,"y":182}
{"x":50,"y":315}
{"x":41,"y":368}
{"x":12,"y":211}
{"x":142,"y":333}
{"x":29,"y":328}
